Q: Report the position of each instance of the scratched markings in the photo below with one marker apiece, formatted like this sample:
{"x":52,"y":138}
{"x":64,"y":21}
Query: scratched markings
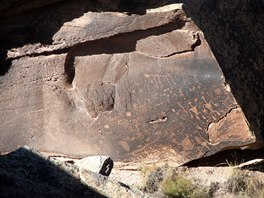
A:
{"x":120,"y":96}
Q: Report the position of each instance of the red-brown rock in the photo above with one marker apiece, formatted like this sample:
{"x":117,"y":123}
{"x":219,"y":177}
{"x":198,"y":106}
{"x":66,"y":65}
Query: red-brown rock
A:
{"x":134,"y":87}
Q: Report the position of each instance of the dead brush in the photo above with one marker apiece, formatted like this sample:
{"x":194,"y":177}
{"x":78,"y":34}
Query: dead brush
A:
{"x":242,"y":183}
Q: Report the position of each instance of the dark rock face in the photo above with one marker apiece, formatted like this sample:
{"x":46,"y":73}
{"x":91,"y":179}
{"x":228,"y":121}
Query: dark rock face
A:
{"x":234,"y":31}
{"x":136,"y":87}
{"x":14,"y":7}
{"x":26,"y":173}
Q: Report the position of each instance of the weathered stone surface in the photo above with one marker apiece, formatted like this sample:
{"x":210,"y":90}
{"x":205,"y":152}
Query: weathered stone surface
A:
{"x":134,"y":87}
{"x":224,"y":130}
{"x":91,"y":26}
{"x":27,"y":173}
{"x":97,"y":164}
{"x":168,"y":44}
{"x":109,"y":187}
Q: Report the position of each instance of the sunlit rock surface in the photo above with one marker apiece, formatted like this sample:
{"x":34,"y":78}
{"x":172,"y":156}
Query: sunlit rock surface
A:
{"x":136,"y":86}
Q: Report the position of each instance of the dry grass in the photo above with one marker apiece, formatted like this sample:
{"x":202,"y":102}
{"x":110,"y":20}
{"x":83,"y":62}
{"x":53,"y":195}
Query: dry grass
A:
{"x":151,"y":178}
{"x":173,"y":185}
{"x":178,"y":183}
{"x":181,"y":187}
{"x":242,"y":183}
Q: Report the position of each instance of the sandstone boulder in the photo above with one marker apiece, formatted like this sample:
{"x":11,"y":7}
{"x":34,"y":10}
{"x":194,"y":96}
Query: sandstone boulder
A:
{"x":137,"y":87}
{"x":97,"y":164}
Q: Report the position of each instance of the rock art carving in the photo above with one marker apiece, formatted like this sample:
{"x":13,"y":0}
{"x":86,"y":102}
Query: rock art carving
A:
{"x":134,"y":87}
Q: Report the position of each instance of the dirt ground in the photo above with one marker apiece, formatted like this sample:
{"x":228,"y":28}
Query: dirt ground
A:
{"x":230,"y":174}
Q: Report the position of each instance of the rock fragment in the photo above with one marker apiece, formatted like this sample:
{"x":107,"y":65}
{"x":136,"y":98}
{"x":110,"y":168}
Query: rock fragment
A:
{"x":97,"y":164}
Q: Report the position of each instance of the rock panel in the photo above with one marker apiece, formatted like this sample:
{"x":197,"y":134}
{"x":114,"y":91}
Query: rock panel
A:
{"x":137,"y":88}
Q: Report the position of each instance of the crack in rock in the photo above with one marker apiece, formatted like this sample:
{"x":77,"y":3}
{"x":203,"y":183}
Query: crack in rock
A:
{"x":77,"y":31}
{"x":223,"y":129}
{"x":160,"y":120}
{"x":221,"y":118}
{"x":169,"y":44}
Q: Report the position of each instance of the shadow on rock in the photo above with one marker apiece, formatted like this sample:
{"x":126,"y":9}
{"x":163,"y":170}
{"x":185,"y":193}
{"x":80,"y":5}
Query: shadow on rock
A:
{"x":25,"y":173}
{"x":230,"y":158}
{"x":234,"y":31}
{"x":28,"y":23}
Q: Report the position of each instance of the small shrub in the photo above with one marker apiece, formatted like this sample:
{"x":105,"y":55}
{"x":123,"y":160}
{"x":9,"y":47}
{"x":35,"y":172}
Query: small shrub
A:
{"x":213,"y":188}
{"x":146,"y":170}
{"x":242,"y":183}
{"x":154,"y":179}
{"x":254,"y":186}
{"x":181,"y":187}
{"x":237,"y":182}
{"x":151,"y":178}
{"x":170,"y":183}
{"x":178,"y":188}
